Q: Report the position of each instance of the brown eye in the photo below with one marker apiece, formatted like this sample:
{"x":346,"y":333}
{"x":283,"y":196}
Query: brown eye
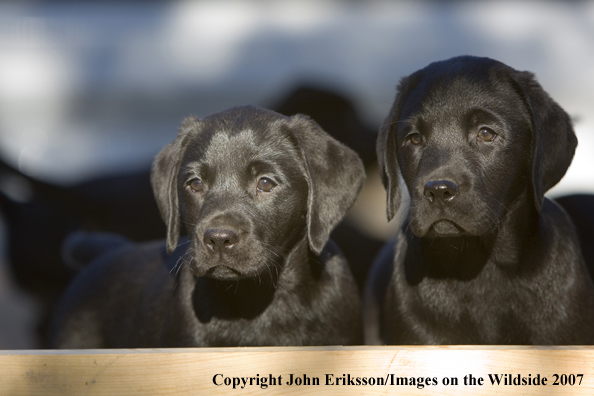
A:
{"x":266,"y":185}
{"x":196,"y":185}
{"x":415,"y":138}
{"x":486,"y":135}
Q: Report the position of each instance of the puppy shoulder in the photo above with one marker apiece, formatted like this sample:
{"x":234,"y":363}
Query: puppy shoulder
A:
{"x":331,"y":250}
{"x":561,"y":241}
{"x":333,"y":260}
{"x":338,"y":302}
{"x":555,"y":218}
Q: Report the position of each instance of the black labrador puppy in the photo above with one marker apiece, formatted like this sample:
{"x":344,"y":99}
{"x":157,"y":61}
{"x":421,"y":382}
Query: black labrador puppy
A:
{"x":482,"y":257}
{"x":258,"y":194}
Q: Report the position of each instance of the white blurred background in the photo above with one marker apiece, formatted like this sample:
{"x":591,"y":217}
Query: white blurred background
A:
{"x":92,"y":87}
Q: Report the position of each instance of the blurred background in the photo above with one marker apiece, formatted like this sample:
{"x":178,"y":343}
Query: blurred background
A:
{"x":90,"y":91}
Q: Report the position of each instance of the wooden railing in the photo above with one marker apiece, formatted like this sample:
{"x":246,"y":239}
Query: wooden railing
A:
{"x":292,"y":371}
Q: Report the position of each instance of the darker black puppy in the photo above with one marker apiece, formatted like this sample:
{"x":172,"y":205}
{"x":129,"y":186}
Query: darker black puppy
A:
{"x":483,"y":257}
{"x":258,"y":194}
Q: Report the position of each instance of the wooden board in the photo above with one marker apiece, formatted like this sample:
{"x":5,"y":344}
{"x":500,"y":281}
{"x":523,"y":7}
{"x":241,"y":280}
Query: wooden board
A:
{"x":329,"y":370}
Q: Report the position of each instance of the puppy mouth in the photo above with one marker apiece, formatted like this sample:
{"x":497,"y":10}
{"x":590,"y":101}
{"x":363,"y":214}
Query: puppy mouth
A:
{"x":445,"y":228}
{"x":222,"y":272}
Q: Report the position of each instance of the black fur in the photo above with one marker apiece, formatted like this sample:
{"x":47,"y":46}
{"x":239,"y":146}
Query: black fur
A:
{"x":580,"y":208}
{"x":257,"y":268}
{"x":482,"y":257}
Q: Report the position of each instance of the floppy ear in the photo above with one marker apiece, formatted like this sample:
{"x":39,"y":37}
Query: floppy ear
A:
{"x":335,"y":175}
{"x":164,"y":181}
{"x":386,"y":152}
{"x":553,"y":138}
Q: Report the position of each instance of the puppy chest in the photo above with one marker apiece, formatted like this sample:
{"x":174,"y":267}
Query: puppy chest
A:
{"x":483,"y":312}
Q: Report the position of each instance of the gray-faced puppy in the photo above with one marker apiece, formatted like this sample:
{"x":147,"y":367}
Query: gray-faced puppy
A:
{"x":482,"y":257}
{"x":258,"y":194}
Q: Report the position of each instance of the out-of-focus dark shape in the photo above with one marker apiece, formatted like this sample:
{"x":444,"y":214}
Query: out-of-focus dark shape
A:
{"x":79,"y":249}
{"x":39,"y":215}
{"x":580,"y":208}
{"x":336,"y":114}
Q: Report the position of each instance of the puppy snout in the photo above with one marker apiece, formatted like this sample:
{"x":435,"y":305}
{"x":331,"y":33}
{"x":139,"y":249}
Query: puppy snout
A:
{"x":219,"y":240}
{"x":440,"y":190}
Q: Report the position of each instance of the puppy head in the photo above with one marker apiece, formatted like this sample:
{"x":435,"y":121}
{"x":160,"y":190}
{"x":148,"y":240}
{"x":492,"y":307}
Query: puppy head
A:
{"x":468,"y":136}
{"x":248,"y":184}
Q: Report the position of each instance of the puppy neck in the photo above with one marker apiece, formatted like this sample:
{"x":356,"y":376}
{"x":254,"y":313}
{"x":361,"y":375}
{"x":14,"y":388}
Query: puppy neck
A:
{"x":302,"y":267}
{"x":464,"y":257}
{"x":251,"y":297}
{"x":461,"y":258}
{"x":241,"y":299}
{"x":516,"y":234}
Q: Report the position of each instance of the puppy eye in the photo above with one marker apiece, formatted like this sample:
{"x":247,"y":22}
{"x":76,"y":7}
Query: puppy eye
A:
{"x":486,"y":135}
{"x":196,"y":185}
{"x":266,"y":185}
{"x":415,"y":138}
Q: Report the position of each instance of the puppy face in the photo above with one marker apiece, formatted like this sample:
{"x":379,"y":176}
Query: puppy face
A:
{"x":467,"y":136}
{"x":458,"y":145}
{"x":243,"y":197}
{"x":248,"y":184}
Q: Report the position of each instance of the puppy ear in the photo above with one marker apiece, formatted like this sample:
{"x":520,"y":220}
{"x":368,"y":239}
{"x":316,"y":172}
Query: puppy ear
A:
{"x":553,"y":138}
{"x":164,"y":175}
{"x":335,"y":175}
{"x":386,"y":152}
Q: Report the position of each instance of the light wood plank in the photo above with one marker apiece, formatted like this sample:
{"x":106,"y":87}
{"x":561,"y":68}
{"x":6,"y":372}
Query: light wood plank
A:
{"x":191,"y":371}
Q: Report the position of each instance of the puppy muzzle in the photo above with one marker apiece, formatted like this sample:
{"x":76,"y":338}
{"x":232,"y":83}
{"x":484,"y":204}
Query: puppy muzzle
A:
{"x":219,"y":240}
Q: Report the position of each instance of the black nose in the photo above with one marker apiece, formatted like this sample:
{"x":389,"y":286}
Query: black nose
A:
{"x":441,"y":190}
{"x":219,"y":239}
